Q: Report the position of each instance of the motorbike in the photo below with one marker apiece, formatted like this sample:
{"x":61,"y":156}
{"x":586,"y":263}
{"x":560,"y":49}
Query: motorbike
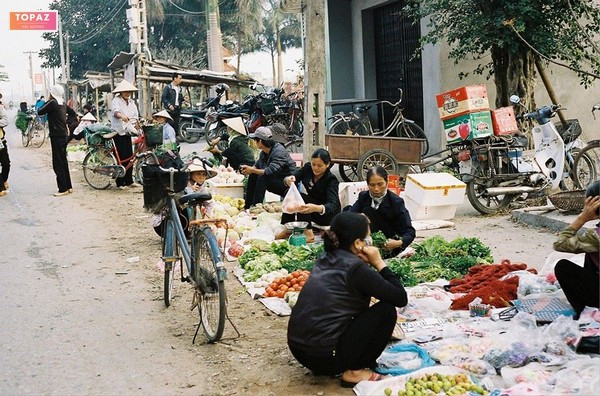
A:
{"x":192,"y":121}
{"x":499,"y":169}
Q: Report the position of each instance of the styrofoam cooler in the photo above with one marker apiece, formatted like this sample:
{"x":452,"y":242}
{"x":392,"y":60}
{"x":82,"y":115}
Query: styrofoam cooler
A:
{"x":348,"y":192}
{"x":433,"y":195}
{"x":233,"y":190}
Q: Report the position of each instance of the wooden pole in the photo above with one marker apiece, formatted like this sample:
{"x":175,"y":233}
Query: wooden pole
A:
{"x":542,"y":71}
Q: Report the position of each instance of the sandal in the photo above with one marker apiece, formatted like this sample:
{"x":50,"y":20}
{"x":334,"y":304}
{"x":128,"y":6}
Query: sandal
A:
{"x":374,"y":377}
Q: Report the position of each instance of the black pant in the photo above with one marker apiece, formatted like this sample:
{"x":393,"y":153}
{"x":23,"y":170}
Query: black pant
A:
{"x":60,"y":164}
{"x":580,"y":284}
{"x":359,"y":347}
{"x":175,"y":115}
{"x":258,"y":186}
{"x":4,"y":165}
{"x":123,"y":146}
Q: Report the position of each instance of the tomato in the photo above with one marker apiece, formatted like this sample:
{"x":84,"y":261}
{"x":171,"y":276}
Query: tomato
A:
{"x":289,"y":277}
{"x":269,"y":290}
{"x":266,"y":294}
{"x":283,"y":288}
{"x":274,"y":286}
{"x":294,"y":281}
{"x":288,"y":284}
{"x":301,"y":283}
{"x":280,"y":293}
{"x":296,"y":274}
{"x":273,"y":294}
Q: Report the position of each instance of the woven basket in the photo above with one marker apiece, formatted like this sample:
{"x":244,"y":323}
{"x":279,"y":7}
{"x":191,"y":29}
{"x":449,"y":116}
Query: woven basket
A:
{"x":570,"y":201}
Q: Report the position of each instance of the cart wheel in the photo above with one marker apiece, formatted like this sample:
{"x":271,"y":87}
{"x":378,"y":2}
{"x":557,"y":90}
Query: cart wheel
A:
{"x":376,"y":157}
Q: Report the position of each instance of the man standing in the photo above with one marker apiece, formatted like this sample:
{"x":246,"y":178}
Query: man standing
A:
{"x":56,"y":110}
{"x":4,"y":158}
{"x":172,"y":98}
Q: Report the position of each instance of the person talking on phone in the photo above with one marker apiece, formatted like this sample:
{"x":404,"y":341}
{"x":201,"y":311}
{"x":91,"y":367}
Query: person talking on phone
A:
{"x":274,"y":164}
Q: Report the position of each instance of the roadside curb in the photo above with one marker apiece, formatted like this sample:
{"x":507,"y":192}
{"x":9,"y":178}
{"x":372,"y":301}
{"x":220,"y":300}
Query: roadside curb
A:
{"x":547,"y":217}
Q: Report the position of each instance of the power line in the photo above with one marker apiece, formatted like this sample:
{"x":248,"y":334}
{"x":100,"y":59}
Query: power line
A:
{"x":98,"y":30}
{"x":186,"y":11}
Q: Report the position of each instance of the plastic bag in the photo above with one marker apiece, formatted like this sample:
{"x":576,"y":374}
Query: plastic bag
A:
{"x":292,"y":201}
{"x":402,"y":359}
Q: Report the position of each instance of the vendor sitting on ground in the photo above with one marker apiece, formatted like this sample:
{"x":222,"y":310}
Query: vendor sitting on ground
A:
{"x":319,"y":190}
{"x":237,"y":153}
{"x":273,"y":165}
{"x":333,"y":328}
{"x":386,"y":211}
{"x":580,"y":284}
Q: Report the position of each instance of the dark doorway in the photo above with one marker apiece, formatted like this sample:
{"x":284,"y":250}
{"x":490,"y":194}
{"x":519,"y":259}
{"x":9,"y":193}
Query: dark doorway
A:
{"x":396,"y":39}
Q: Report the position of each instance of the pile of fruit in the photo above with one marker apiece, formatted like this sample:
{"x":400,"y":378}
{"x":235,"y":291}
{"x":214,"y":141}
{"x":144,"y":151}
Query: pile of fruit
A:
{"x":433,"y":384}
{"x":290,"y":283}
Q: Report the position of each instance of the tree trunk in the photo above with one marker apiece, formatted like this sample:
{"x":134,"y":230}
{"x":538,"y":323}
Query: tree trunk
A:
{"x":279,"y":60}
{"x":239,"y":52}
{"x":514,"y":74}
{"x":273,"y":69}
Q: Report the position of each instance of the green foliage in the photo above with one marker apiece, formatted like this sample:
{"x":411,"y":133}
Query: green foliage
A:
{"x":435,"y":258}
{"x":561,"y":30}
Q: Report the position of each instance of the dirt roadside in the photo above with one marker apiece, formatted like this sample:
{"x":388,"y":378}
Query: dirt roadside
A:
{"x":81,"y":319}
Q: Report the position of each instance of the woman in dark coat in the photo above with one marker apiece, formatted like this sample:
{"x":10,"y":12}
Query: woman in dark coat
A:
{"x":319,"y":190}
{"x":386,"y":211}
{"x":333,"y":328}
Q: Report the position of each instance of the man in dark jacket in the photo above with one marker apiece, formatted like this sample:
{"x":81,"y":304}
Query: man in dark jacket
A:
{"x":273,"y":165}
{"x":172,"y":99}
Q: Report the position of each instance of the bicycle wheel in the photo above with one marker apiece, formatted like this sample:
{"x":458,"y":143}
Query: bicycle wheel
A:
{"x":294,"y":146}
{"x":210,"y":283}
{"x":348,"y":172}
{"x":348,"y":126}
{"x":25,"y":135}
{"x":412,"y":130}
{"x":38,"y":135}
{"x":586,"y":168}
{"x":137,"y":170}
{"x":94,"y":168}
{"x":170,"y":257}
{"x":376,"y":157}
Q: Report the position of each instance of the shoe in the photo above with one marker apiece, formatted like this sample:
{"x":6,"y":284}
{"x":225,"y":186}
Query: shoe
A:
{"x":2,"y":193}
{"x":134,"y":185}
{"x":122,"y":187}
{"x":6,"y":185}
{"x":374,"y":377}
{"x":61,"y":194}
{"x":70,"y":191}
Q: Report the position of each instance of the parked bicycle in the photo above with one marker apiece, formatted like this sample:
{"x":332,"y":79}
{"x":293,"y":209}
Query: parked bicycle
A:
{"x":204,"y":267}
{"x":102,"y":162}
{"x":35,"y":132}
{"x":586,"y":166}
{"x":359,"y":123}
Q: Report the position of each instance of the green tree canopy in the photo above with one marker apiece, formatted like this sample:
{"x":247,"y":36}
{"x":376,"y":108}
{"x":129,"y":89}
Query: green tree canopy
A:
{"x":558,"y":30}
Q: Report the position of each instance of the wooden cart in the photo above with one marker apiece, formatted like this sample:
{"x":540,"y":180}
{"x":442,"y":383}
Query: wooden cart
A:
{"x":355,"y":154}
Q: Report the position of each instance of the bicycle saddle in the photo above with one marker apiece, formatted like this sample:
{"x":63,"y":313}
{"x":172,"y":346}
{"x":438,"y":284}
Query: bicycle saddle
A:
{"x":109,"y":135}
{"x":195,"y":198}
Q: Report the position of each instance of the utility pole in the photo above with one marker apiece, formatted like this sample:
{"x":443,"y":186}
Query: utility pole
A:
{"x":62,"y":52}
{"x":30,"y":53}
{"x":215,"y":45}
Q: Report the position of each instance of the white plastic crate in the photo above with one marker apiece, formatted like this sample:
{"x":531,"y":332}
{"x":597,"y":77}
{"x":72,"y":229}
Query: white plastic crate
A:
{"x":348,"y":192}
{"x":233,"y":190}
{"x":428,"y":212}
{"x":434,"y":189}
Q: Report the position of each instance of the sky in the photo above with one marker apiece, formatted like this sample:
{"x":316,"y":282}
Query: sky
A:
{"x":15,"y":44}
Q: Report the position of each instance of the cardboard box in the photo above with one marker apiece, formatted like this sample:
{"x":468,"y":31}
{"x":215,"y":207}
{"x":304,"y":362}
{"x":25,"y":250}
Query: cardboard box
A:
{"x":463,"y":100}
{"x":348,"y":192}
{"x":504,"y":121}
{"x":233,"y":190}
{"x":468,"y":126}
{"x":434,"y":189}
{"x":394,"y":184}
{"x":429,"y":212}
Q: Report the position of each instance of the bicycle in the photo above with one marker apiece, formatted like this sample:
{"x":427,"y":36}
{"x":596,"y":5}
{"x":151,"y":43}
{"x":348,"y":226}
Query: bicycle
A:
{"x":102,"y":162}
{"x":203,"y":260}
{"x":35,"y":132}
{"x":360,"y":124}
{"x":586,"y":165}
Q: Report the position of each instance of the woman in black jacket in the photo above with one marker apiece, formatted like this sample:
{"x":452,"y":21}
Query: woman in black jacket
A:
{"x":319,"y":190}
{"x":386,"y":211}
{"x":333,"y":329}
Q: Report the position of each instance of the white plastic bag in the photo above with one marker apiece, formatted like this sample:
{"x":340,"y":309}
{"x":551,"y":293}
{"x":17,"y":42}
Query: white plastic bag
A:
{"x":292,"y":201}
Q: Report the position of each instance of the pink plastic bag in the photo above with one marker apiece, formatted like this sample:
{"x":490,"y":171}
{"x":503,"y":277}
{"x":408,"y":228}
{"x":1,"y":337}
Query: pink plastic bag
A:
{"x":292,"y":202}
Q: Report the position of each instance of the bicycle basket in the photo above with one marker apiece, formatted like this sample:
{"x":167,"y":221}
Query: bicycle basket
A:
{"x":156,"y":183}
{"x":572,"y":132}
{"x":266,"y":105}
{"x":568,"y":201}
{"x":154,"y":134}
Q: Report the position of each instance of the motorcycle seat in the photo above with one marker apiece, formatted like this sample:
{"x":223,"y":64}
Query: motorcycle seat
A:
{"x":198,"y":113}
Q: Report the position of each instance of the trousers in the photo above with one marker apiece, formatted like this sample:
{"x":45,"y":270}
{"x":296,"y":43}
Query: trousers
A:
{"x":125,"y":150}
{"x":60,"y":164}
{"x":4,"y":165}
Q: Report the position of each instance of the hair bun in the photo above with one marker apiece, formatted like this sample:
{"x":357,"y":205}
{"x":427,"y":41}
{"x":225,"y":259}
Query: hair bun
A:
{"x":334,"y":239}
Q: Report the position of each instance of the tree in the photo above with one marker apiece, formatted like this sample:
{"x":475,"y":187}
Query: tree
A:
{"x":559,"y":30}
{"x":249,"y":19}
